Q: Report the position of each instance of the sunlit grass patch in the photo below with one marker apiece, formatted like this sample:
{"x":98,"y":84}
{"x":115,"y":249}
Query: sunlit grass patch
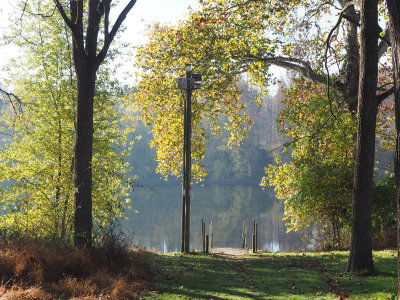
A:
{"x":271,"y":276}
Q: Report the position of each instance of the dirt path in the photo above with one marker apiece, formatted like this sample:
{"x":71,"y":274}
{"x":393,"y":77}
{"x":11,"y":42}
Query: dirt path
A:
{"x":229,"y":251}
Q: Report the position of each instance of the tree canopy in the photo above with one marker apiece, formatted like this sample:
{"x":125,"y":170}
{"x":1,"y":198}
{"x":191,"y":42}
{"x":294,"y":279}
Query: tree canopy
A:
{"x":37,"y":154}
{"x":226,"y":40}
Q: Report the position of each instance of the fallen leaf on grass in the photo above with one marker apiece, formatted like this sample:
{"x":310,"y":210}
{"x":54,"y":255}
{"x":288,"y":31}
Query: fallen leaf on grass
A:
{"x":188,"y":269}
{"x":344,"y":296}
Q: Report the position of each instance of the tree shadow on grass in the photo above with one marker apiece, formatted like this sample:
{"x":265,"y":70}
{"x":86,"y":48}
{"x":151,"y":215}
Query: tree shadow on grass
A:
{"x":266,"y":276}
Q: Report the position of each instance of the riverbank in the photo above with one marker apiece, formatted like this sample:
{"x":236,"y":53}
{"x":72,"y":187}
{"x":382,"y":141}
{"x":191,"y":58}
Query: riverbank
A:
{"x":270,"y":276}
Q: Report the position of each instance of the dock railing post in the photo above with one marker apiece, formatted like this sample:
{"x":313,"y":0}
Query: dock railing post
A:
{"x":203,"y":235}
{"x":210,"y":231}
{"x":254,"y":243}
{"x":256,"y":237}
{"x":244,"y":236}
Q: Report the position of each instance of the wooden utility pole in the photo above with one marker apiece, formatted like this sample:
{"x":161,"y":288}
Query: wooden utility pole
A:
{"x":188,"y":83}
{"x":187,"y":162}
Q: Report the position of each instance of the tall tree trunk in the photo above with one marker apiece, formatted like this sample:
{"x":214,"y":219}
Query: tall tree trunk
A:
{"x":86,"y":76}
{"x":394,"y":26}
{"x":352,"y":68}
{"x":361,"y":232}
{"x":65,"y":209}
{"x":87,"y":60}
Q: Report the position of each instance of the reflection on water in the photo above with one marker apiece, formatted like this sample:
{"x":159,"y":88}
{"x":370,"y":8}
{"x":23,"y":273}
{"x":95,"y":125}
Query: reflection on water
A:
{"x":229,"y":207}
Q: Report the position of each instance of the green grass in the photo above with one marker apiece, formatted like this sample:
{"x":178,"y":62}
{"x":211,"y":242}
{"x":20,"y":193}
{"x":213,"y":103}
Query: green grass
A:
{"x":270,"y":276}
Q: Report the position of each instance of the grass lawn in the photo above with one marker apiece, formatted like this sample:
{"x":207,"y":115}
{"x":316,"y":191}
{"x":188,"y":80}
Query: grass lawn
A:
{"x":270,"y":276}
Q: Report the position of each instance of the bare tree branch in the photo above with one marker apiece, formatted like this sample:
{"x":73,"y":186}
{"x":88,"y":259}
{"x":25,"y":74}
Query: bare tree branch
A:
{"x":95,"y":13}
{"x":346,"y":6}
{"x":385,"y":38}
{"x":384,"y":95}
{"x":38,"y":14}
{"x":11,"y":97}
{"x":384,"y":44}
{"x":352,"y":20}
{"x":61,"y":10}
{"x":20,"y":17}
{"x":341,"y":16}
{"x":76,"y":12}
{"x":290,"y":63}
{"x":106,"y":5}
{"x":109,"y":38}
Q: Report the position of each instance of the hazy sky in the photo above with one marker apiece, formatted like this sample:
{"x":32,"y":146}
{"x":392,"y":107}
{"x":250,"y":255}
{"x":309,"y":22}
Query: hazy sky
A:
{"x":144,"y":10}
{"x":148,"y":11}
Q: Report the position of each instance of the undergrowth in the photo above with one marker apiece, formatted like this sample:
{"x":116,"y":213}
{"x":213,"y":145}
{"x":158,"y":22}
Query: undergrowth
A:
{"x":33,"y":270}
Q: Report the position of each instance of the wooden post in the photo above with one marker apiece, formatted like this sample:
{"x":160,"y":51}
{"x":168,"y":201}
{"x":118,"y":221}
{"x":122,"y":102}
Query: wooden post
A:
{"x":254,"y":226}
{"x":254,"y":243}
{"x":203,"y":235}
{"x":190,"y":83}
{"x":244,"y":236}
{"x":207,"y":243}
{"x":187,"y":164}
{"x":256,"y":237}
{"x":210,"y":231}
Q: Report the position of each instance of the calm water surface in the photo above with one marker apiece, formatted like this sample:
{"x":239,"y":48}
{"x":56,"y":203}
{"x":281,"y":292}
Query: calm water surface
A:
{"x":230,"y":208}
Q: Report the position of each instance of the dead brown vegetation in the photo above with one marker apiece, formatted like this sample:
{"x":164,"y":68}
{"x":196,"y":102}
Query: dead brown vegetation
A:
{"x":32,"y":270}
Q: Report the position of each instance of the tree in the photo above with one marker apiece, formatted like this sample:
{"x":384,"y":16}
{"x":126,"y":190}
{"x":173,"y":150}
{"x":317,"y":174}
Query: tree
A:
{"x":160,"y":103}
{"x":316,"y":183}
{"x":361,"y":229}
{"x":93,"y":14}
{"x":225,"y":39}
{"x":393,"y":8}
{"x":36,"y":161}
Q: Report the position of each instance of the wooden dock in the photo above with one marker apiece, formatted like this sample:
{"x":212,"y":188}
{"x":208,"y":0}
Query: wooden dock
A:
{"x":207,"y":241}
{"x":229,"y":251}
